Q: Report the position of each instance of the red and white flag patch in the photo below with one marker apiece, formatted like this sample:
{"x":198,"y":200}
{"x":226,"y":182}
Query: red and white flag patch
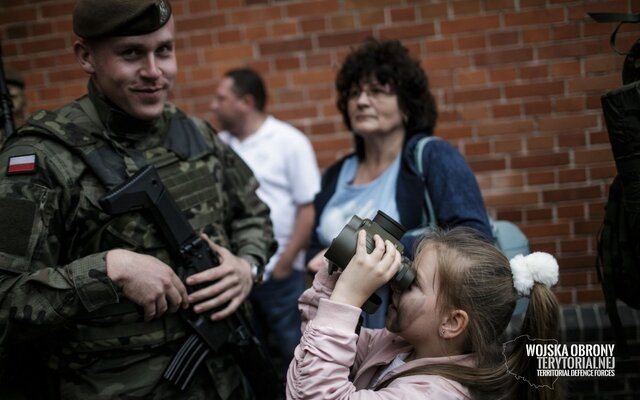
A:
{"x":22,"y":164}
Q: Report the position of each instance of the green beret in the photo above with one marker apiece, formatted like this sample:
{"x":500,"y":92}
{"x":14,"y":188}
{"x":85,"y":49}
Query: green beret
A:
{"x":12,"y":77}
{"x":107,"y":18}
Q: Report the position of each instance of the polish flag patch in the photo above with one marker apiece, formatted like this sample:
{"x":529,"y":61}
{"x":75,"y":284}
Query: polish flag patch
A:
{"x":22,"y":164}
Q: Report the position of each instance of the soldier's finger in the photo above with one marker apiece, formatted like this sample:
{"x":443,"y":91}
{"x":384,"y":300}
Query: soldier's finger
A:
{"x":208,"y":275}
{"x":149,"y":310}
{"x":174,"y":300}
{"x":161,"y":306}
{"x":222,"y":252}
{"x":231,"y":307}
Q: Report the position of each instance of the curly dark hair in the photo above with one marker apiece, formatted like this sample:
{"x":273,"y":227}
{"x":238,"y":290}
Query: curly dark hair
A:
{"x":389,"y":63}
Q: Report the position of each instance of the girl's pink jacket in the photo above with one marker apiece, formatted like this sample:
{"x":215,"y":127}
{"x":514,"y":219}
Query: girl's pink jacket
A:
{"x":322,"y":365}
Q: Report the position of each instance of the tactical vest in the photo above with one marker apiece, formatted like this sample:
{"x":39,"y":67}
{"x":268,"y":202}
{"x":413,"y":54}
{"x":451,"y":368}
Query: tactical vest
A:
{"x":188,"y":167}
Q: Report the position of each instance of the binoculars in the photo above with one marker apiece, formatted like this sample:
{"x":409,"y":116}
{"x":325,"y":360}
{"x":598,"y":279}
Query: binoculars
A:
{"x":343,"y":248}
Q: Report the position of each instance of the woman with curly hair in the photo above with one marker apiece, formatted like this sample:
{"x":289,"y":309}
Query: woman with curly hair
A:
{"x":384,"y":98}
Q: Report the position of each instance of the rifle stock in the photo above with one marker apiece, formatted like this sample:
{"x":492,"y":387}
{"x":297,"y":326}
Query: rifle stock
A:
{"x":145,"y":191}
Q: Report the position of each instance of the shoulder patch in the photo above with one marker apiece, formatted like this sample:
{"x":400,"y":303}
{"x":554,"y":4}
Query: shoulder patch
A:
{"x":24,"y":164}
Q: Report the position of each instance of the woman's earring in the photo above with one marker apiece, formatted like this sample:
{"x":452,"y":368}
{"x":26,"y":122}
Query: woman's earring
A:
{"x":441,"y":332}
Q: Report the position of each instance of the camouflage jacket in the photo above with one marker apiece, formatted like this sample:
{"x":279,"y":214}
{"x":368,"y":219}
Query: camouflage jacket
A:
{"x":53,"y":280}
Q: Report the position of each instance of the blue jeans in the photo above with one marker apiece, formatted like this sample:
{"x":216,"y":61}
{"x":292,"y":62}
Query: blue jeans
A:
{"x":276,"y":316}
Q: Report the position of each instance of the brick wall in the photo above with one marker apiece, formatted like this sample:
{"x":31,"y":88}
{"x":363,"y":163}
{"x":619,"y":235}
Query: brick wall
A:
{"x":518,"y":83}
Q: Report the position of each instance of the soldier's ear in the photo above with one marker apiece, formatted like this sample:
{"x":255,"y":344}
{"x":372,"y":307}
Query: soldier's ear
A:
{"x":84,"y":56}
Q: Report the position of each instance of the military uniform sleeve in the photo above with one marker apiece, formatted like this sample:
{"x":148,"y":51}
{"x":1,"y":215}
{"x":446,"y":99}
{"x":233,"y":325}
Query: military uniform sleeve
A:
{"x":36,"y":209}
{"x":251,"y":230}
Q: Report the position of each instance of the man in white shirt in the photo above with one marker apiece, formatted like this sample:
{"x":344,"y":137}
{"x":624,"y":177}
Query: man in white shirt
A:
{"x":284,"y":163}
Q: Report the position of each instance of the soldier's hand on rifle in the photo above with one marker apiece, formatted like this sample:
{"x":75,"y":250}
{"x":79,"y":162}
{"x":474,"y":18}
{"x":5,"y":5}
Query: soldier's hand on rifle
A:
{"x":230,"y":281}
{"x":147,"y":281}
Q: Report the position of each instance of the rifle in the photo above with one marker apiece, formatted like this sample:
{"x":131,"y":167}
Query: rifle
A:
{"x":8,"y":127}
{"x":145,"y":191}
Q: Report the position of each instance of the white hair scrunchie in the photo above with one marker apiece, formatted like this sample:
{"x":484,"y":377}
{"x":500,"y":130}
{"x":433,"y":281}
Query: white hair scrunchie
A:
{"x":536,"y":267}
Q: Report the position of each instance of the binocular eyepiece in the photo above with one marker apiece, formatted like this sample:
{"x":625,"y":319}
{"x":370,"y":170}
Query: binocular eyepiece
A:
{"x":343,"y":248}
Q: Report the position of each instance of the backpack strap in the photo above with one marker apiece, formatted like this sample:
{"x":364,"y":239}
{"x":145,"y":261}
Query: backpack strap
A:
{"x":418,"y":151}
{"x":620,"y":18}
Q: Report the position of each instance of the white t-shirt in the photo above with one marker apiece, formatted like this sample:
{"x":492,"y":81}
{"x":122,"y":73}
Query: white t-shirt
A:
{"x":283,"y":161}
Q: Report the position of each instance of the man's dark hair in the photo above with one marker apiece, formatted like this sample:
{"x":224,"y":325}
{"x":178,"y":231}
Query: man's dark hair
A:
{"x":389,"y":62}
{"x":247,"y":81}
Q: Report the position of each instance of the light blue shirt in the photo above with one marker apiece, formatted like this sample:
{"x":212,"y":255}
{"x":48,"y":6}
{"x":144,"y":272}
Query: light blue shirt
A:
{"x":361,"y":200}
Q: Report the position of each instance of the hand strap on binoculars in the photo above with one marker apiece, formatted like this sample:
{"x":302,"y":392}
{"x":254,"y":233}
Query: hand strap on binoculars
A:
{"x":621,"y":18}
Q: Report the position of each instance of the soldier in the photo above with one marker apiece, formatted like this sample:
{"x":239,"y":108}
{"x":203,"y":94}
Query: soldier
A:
{"x":94,"y":295}
{"x":16,"y":86}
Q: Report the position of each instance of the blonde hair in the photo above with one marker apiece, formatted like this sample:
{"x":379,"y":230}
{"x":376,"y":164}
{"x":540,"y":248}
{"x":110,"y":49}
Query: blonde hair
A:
{"x":475,"y":276}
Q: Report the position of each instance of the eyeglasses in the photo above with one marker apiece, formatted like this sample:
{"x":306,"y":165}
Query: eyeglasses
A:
{"x":374,"y":91}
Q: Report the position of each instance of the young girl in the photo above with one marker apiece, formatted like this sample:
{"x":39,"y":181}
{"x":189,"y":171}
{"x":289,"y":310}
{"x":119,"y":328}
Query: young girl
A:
{"x":443,"y":334}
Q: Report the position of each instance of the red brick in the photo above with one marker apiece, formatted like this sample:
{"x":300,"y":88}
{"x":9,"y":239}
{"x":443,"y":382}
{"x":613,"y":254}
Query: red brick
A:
{"x":579,"y":193}
{"x":470,"y":24}
{"x":539,"y":214}
{"x":317,"y":7}
{"x":540,"y":160}
{"x":342,"y":22}
{"x":503,"y":38}
{"x":508,"y":180}
{"x":408,"y":31}
{"x":476,"y":149}
{"x":534,"y":71}
{"x":508,"y":146}
{"x":505,"y":128}
{"x":536,"y":35}
{"x":284,"y":46}
{"x":571,"y":211}
{"x":371,"y":17}
{"x":286,"y":63}
{"x":573,"y":279}
{"x":494,"y":57}
{"x":403,"y":14}
{"x":535,"y":17}
{"x":603,"y":172}
{"x":593,"y":156}
{"x":507,"y":110}
{"x":503,"y":74}
{"x":538,"y":107}
{"x":590,"y":295}
{"x":436,"y":10}
{"x":572,"y":175}
{"x":540,"y":230}
{"x":534,"y":89}
{"x":578,"y":49}
{"x":250,"y":15}
{"x":576,"y":245}
{"x":475,"y":42}
{"x":342,"y":39}
{"x":313,"y":25}
{"x":541,"y":143}
{"x":565,"y":123}
{"x":541,"y":177}
{"x":521,"y":198}
{"x":486,"y":164}
{"x":572,"y":139}
{"x":596,"y":84}
{"x":510,"y":215}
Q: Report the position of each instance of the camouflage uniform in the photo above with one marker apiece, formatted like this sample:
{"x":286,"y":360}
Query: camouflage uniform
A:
{"x":54,"y":289}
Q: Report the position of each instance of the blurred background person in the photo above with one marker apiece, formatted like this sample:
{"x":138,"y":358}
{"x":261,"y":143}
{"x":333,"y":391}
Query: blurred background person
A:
{"x":284,"y":163}
{"x":385,"y":101}
{"x":16,"y":85}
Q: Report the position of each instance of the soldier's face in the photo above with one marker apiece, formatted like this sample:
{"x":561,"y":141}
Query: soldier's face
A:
{"x":135,"y":72}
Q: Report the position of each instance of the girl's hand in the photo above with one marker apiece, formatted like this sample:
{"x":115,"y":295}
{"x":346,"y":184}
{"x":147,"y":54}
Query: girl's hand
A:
{"x":365,"y":273}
